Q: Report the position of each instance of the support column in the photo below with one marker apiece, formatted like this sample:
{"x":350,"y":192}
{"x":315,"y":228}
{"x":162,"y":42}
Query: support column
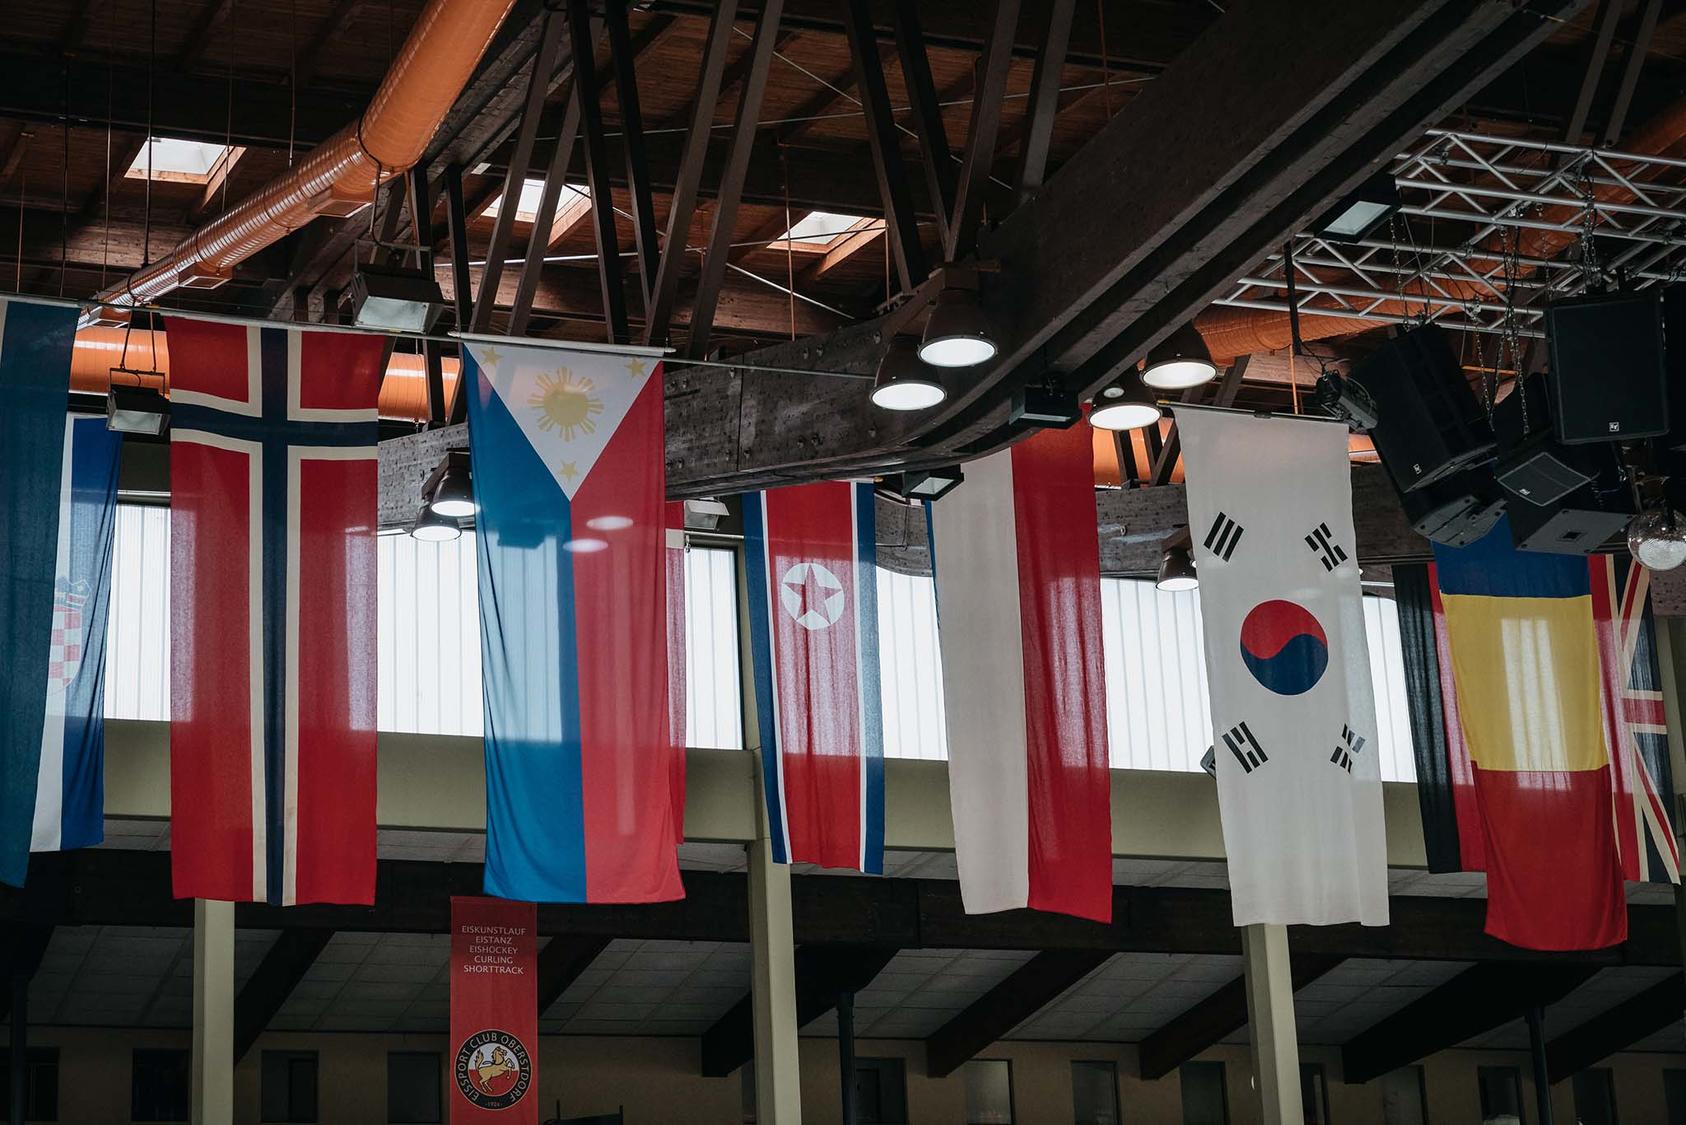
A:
{"x":846,"y":1054}
{"x":778,"y":1091}
{"x":1537,"y":1052}
{"x":213,"y":1012}
{"x":18,"y":1056}
{"x":1270,"y":1024}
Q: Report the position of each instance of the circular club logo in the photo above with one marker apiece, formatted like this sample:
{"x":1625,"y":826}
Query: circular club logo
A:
{"x":492,"y":1069}
{"x":1284,"y":647}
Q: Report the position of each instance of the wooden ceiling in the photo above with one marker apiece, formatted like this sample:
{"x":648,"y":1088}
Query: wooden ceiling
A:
{"x":80,"y":80}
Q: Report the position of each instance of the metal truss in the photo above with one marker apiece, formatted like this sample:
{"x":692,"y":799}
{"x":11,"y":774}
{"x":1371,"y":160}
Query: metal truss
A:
{"x":1471,"y":205}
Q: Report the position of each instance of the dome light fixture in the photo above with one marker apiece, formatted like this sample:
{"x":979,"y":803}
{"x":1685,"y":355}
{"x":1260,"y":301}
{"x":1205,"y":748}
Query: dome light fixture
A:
{"x":1124,"y":404}
{"x":450,"y":490}
{"x":1657,"y":539}
{"x":957,"y":332}
{"x":1176,"y":570}
{"x":904,"y":382}
{"x":1179,"y":362}
{"x":433,"y":527}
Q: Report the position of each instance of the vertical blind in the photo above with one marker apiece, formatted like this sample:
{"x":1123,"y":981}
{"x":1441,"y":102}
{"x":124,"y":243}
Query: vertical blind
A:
{"x":1157,"y":712}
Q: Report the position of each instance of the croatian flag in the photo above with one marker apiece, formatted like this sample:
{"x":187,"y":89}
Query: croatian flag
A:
{"x":1017,"y":560}
{"x":58,"y":500}
{"x":569,"y":476}
{"x":813,"y":614}
{"x":273,"y":625}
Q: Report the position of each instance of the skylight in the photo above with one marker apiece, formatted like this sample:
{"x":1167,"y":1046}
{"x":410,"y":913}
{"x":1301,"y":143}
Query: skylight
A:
{"x":820,"y":230}
{"x":527,"y":207}
{"x":187,"y":162}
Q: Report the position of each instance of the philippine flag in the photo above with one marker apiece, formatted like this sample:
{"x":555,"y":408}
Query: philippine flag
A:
{"x":569,"y":475}
{"x":1017,"y":559}
{"x":813,"y":613}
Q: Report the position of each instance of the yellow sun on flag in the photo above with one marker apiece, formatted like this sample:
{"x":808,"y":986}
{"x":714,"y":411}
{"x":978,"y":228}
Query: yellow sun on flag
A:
{"x":566,"y":404}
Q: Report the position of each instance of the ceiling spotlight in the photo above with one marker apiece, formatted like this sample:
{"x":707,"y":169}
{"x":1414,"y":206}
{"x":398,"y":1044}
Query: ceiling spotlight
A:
{"x":1363,"y":211}
{"x":397,"y":300}
{"x":904,"y":382}
{"x":957,"y":333}
{"x":431,"y":527}
{"x":136,"y":410}
{"x":450,"y":487}
{"x":1657,"y":539}
{"x":1124,"y":404}
{"x":915,"y":486}
{"x":1176,"y":570}
{"x":705,"y":513}
{"x":1180,"y":362}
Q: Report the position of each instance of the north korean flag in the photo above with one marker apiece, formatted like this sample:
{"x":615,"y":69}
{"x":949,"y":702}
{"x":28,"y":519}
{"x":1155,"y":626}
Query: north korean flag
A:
{"x":272,"y":556}
{"x":813,"y":614}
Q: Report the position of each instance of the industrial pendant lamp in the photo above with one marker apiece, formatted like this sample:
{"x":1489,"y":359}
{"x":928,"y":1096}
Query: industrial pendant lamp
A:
{"x":1180,"y":362}
{"x":431,"y":527}
{"x":903,"y":382}
{"x":450,"y":490}
{"x":957,"y":332}
{"x":1176,"y":570}
{"x":1124,"y":404}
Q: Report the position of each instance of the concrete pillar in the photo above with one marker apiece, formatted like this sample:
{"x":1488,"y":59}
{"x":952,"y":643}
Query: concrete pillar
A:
{"x":213,"y":1012}
{"x":778,"y":1089}
{"x":1270,"y":1024}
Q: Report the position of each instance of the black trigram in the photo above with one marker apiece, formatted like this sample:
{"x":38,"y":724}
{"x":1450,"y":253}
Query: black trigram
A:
{"x":1245,"y":747}
{"x":1329,"y":553}
{"x":1351,"y":743}
{"x":1223,"y":536}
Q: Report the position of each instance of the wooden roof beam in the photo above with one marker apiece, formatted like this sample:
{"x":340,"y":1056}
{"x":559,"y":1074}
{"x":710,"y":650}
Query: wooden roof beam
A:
{"x":1616,"y":1029}
{"x":1222,"y":1013}
{"x":821,"y":975}
{"x":1026,"y":991}
{"x":280,"y":971}
{"x":1476,"y":1000}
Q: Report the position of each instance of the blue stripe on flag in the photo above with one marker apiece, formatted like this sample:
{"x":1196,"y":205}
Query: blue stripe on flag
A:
{"x":868,"y":680}
{"x":92,"y":516}
{"x":759,"y":588}
{"x":1493,"y":567}
{"x":535,"y":814}
{"x":35,"y":347}
{"x":273,"y":352}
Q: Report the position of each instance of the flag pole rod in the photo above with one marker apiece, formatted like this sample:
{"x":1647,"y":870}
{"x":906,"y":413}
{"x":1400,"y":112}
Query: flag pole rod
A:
{"x":1178,"y":406}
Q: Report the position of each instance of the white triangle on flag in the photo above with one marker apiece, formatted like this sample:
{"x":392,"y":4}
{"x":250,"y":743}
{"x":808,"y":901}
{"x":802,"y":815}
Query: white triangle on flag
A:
{"x":567,"y":403}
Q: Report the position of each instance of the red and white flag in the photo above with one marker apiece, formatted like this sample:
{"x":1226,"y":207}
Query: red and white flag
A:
{"x":272,"y":556}
{"x":1017,"y":560}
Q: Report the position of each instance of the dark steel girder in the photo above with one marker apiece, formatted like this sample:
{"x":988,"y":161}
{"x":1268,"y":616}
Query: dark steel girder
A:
{"x":1119,"y":249}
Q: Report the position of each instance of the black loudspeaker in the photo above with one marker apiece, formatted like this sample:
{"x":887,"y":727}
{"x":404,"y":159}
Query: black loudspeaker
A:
{"x":1674,"y":359}
{"x":1582,"y":523}
{"x":1607,"y":376}
{"x":1531,"y":463}
{"x":1456,"y":511}
{"x":1430,"y":424}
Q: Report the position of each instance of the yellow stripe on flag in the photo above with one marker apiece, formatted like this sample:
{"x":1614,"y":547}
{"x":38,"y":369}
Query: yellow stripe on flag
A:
{"x":1527,"y":675}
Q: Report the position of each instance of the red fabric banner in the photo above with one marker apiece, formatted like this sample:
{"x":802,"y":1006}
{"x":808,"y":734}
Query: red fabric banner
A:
{"x":494,"y":1012}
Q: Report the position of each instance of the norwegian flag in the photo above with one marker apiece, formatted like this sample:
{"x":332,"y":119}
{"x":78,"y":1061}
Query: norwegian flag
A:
{"x":273,"y":679}
{"x":1636,"y":724}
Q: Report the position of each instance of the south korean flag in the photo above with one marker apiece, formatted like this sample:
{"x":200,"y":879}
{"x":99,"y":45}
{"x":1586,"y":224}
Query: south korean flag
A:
{"x":1293,"y":715}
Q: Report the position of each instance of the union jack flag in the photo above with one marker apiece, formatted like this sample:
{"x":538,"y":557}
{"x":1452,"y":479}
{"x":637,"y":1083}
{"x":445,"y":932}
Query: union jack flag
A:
{"x":1635,"y":720}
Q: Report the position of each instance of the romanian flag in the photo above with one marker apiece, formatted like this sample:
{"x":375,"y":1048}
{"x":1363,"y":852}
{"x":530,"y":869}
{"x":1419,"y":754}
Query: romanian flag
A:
{"x":1541,"y":748}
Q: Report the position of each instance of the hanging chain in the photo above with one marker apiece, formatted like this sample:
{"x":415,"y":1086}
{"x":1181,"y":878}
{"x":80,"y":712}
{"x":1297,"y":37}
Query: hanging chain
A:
{"x":1510,"y":344}
{"x":1589,"y":220}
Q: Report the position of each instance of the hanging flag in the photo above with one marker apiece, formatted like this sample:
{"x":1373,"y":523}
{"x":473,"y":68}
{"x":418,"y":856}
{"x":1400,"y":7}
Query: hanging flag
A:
{"x":70,"y":790}
{"x":569,"y":475}
{"x":494,"y":1012}
{"x":273,"y":625}
{"x":1547,"y":770}
{"x":1293,"y":714}
{"x":674,"y":522}
{"x":1017,"y":561}
{"x":58,"y":501}
{"x":810,"y":557}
